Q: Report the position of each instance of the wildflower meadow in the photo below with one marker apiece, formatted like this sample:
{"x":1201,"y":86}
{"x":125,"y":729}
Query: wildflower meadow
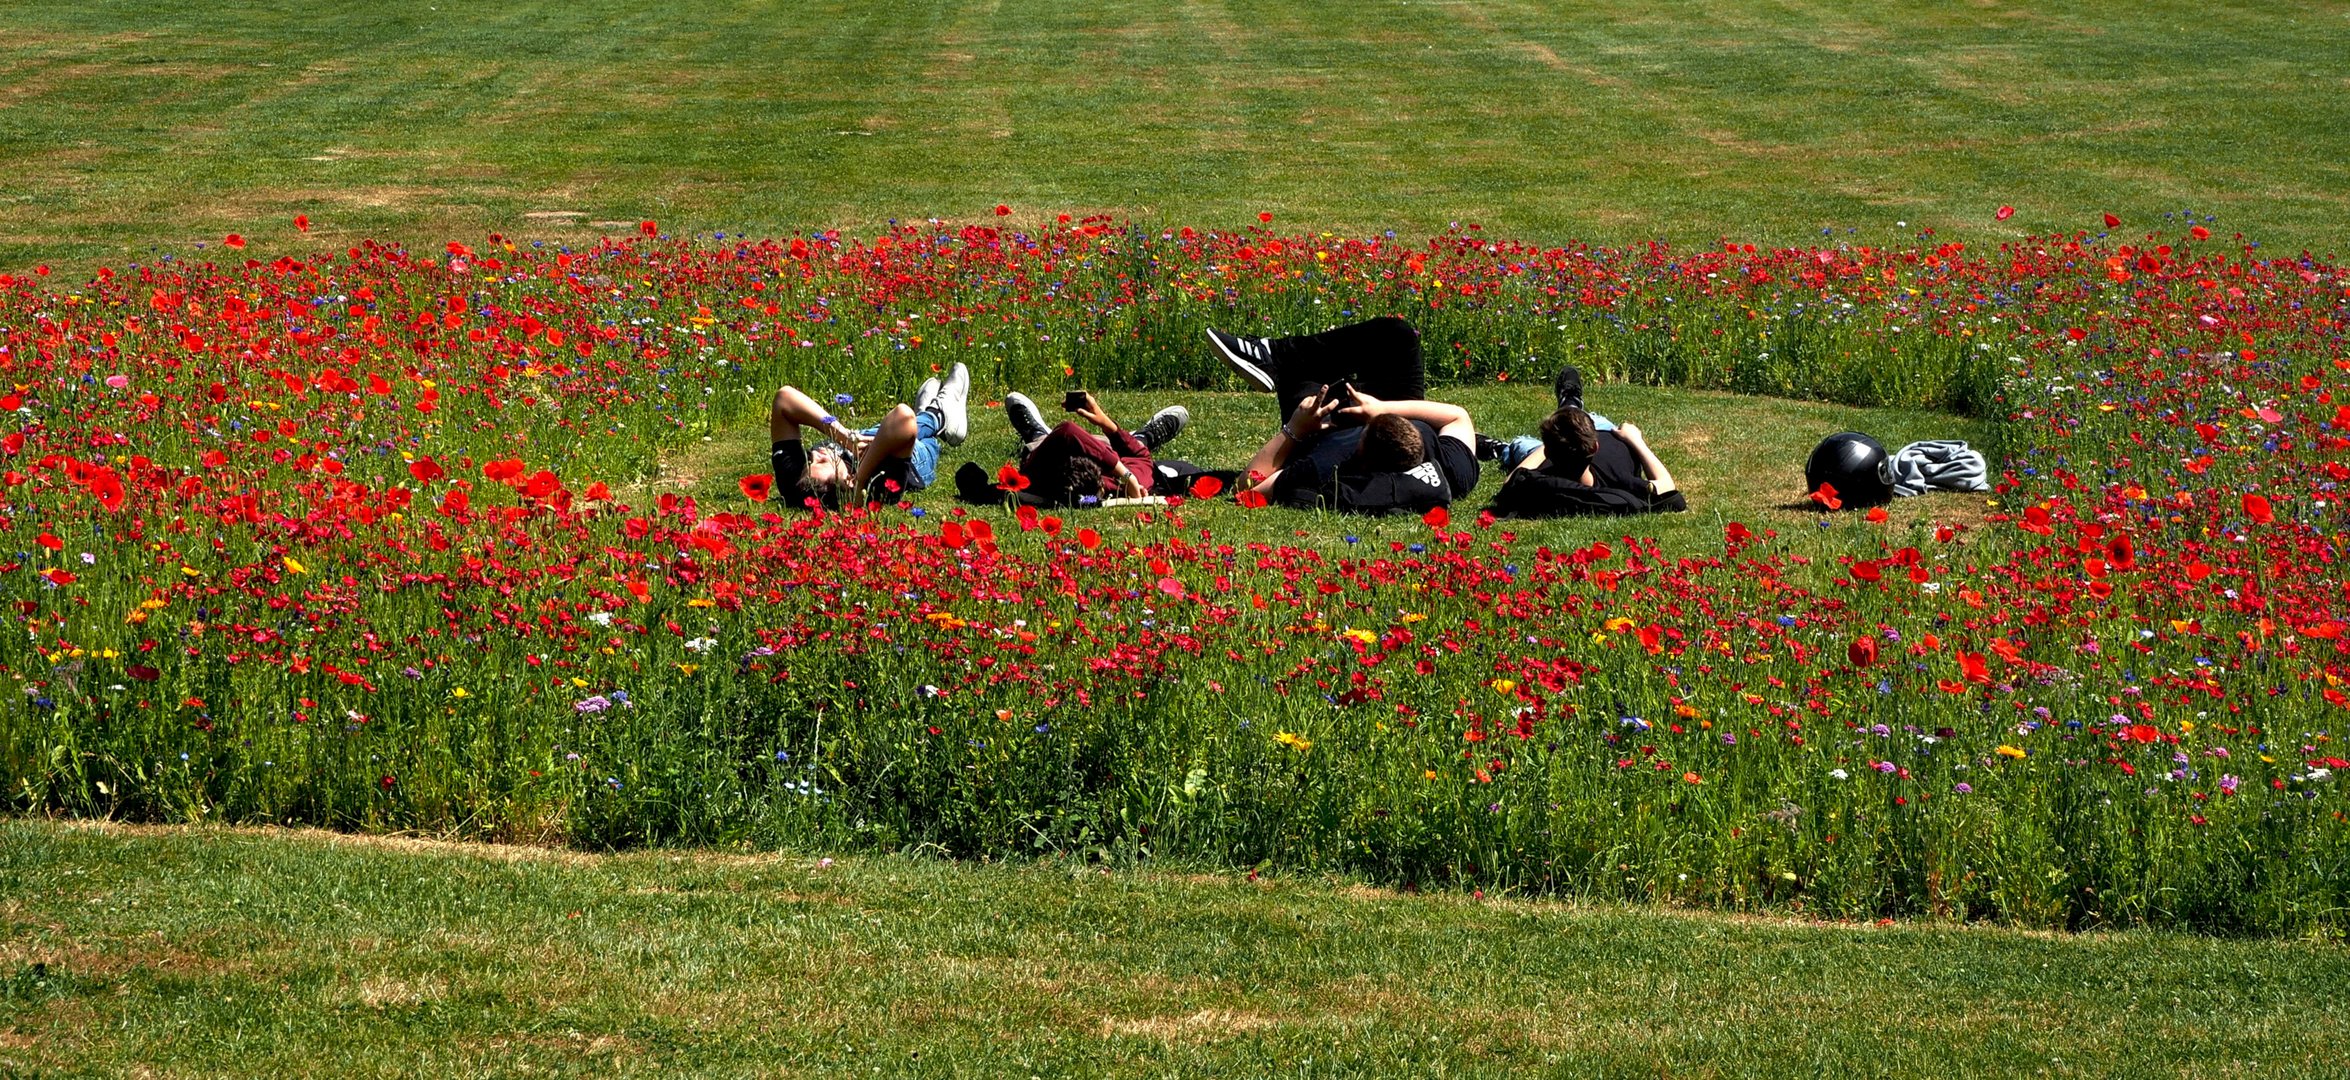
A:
{"x":363,"y":538}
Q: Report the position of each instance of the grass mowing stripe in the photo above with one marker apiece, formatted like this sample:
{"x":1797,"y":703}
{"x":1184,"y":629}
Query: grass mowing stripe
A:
{"x":207,"y":950}
{"x":142,"y":125}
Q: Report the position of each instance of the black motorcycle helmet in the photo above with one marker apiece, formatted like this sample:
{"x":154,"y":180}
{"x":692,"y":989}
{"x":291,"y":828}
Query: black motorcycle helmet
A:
{"x":1855,"y":464}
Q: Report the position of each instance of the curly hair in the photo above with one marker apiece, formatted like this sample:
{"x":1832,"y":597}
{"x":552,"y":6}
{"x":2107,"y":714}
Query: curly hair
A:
{"x":1085,"y":481}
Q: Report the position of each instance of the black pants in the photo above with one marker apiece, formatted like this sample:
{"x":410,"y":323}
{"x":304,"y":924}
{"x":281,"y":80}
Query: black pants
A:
{"x":1380,"y":357}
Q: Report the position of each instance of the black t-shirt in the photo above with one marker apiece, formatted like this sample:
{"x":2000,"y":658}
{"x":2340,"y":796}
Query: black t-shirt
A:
{"x":1615,"y":467}
{"x":1618,"y":486}
{"x":1322,"y":476}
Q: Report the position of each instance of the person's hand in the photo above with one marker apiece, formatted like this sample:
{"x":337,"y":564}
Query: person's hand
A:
{"x":852,"y":440}
{"x":1093,"y":413}
{"x":1631,"y":433}
{"x":1311,"y":418}
{"x":1129,"y":485}
{"x":1365,"y":407}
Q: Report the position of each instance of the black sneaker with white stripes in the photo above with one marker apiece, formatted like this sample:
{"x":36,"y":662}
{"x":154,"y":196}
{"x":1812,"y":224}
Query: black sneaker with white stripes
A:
{"x":1252,"y":357}
{"x":1163,"y":427}
{"x":1027,"y":420}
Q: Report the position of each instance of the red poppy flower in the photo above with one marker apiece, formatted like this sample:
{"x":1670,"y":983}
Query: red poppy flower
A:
{"x":1250,"y":499}
{"x":1009,"y":478}
{"x":233,"y":240}
{"x":1206,"y":487}
{"x":2121,"y":553}
{"x":1002,"y":210}
{"x":1089,"y":539}
{"x":648,"y":228}
{"x":1052,"y":525}
{"x":425,"y":470}
{"x":2256,"y":507}
{"x":952,"y":534}
{"x":756,"y":487}
{"x":1826,"y":497}
{"x":1437,"y":518}
{"x":1974,"y":667}
{"x":2112,"y":222}
{"x":1862,"y":652}
{"x":2005,"y":212}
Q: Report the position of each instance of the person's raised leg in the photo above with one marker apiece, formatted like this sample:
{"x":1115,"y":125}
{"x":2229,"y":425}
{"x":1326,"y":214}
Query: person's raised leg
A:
{"x":1379,"y":356}
{"x":892,"y":439}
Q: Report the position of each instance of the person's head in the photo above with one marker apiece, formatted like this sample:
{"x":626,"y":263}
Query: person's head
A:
{"x":1390,"y":444}
{"x":828,"y":473}
{"x":1085,"y":481}
{"x":1568,"y":440}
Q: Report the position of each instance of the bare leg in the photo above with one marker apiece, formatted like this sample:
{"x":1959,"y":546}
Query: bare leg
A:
{"x":894,"y":440}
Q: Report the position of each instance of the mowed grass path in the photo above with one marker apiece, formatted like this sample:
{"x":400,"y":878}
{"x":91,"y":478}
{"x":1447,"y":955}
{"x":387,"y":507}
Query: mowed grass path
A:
{"x":131,"y":123}
{"x":170,"y":951}
{"x":1739,"y":458}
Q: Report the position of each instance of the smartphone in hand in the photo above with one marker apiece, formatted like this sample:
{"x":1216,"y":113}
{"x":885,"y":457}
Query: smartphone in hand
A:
{"x":1073,"y":401}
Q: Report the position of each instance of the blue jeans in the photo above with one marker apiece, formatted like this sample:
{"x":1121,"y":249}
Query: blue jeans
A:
{"x":922,"y":460}
{"x":1523,"y":445}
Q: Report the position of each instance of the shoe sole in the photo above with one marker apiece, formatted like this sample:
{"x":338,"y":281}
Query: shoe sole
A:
{"x":958,"y":390}
{"x":1034,"y":413}
{"x":1246,"y":367}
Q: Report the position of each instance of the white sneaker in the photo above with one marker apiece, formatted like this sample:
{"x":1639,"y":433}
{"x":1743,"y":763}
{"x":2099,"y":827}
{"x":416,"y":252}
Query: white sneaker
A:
{"x":925,"y":396}
{"x":954,"y":401}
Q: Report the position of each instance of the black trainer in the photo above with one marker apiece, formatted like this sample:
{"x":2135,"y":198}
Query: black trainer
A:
{"x":1490,"y":448}
{"x":1163,"y":427}
{"x":1569,"y":387}
{"x":1027,"y":420}
{"x":1252,"y":357}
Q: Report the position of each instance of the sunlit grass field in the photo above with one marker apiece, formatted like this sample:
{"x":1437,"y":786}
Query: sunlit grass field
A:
{"x":207,"y":952}
{"x":133,"y":129}
{"x":134,"y":124}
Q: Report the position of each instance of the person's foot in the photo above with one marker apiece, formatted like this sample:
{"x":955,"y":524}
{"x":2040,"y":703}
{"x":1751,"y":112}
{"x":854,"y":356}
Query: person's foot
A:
{"x":954,"y":401}
{"x":927,"y":395}
{"x":1252,"y":357}
{"x":1490,"y":448}
{"x":1027,"y":420}
{"x":1163,"y":427}
{"x":1569,"y":387}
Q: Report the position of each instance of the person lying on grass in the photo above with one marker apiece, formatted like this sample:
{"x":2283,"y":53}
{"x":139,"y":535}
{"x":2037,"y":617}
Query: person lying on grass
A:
{"x":1069,"y":466}
{"x":1578,"y":470}
{"x":888,"y":460}
{"x":1357,"y":431}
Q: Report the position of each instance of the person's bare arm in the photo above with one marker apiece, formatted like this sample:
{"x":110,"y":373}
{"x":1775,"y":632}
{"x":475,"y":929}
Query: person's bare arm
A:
{"x":1129,"y":485}
{"x":1446,"y":418}
{"x":793,"y":410}
{"x":1310,"y":419}
{"x":1534,"y":460}
{"x":1659,"y":477}
{"x":1094,"y":414}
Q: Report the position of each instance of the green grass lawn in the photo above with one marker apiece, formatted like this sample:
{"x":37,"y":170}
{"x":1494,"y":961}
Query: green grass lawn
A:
{"x":253,"y":952}
{"x":1739,"y":458}
{"x":134,"y":123}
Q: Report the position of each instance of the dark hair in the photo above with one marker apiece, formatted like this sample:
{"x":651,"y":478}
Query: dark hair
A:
{"x":1390,"y":444}
{"x":1085,"y":480}
{"x":1568,"y":440}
